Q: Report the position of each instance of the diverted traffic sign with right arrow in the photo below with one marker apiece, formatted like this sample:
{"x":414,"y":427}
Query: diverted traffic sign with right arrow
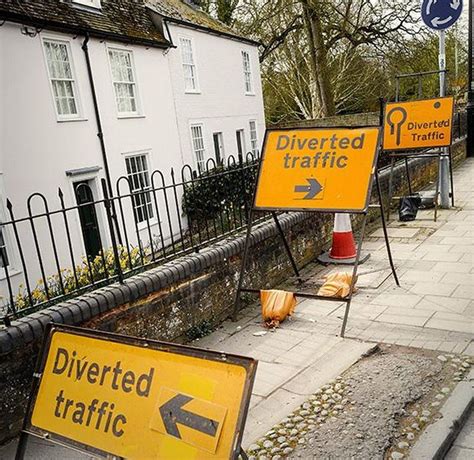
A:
{"x":109,"y":394}
{"x":326,"y":169}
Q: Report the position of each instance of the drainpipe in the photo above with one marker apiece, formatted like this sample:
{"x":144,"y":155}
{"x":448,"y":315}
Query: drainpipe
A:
{"x":100,"y":133}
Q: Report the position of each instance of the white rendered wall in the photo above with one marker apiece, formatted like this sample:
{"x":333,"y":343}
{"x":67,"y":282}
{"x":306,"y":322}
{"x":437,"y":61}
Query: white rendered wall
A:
{"x":221,"y":104}
{"x":36,"y":150}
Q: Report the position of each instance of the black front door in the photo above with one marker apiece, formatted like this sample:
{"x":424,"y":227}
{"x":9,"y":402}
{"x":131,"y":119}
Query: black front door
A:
{"x":240,"y":141}
{"x":218,"y":147}
{"x":88,"y":218}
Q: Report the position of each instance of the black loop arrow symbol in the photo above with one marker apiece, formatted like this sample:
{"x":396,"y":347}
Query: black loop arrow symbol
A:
{"x":172,"y":412}
{"x":311,"y":190}
{"x":396,"y":126}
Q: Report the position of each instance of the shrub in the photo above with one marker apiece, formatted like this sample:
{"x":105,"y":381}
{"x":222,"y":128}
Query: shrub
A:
{"x":221,"y":190}
{"x":87,"y":273}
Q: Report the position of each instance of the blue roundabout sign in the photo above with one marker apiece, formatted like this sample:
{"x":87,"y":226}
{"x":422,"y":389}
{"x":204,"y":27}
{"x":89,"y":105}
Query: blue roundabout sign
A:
{"x":440,"y":14}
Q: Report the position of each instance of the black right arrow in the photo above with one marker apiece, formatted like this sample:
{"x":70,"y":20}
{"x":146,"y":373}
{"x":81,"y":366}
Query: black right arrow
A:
{"x":311,"y":190}
{"x":172,"y":412}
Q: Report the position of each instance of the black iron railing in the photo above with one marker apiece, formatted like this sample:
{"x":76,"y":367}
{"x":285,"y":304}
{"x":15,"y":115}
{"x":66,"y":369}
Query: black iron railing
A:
{"x":460,"y":123}
{"x":49,"y":254}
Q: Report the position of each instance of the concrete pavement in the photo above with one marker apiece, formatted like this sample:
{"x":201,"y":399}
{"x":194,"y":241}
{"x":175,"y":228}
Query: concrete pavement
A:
{"x":463,"y":447}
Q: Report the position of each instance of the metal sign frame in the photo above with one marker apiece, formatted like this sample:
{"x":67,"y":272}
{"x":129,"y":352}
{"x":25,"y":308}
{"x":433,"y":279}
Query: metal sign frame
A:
{"x":310,"y":295}
{"x":28,"y":429}
{"x":423,"y":152}
{"x":335,"y":128}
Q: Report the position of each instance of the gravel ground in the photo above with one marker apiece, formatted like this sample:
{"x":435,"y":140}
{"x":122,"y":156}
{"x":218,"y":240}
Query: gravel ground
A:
{"x":375,"y":410}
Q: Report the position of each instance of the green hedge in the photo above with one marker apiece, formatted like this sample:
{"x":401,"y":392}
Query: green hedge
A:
{"x":221,"y":190}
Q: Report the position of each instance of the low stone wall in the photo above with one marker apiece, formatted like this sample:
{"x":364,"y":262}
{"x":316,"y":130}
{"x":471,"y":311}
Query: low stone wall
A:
{"x":182,"y":299}
{"x":352,"y":120}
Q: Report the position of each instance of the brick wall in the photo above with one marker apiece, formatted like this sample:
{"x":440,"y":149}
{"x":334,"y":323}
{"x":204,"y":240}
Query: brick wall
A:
{"x":181,"y":299}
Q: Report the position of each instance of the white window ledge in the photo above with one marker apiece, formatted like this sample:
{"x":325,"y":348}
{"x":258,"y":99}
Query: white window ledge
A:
{"x":67,"y":120}
{"x":126,"y":116}
{"x":11,"y":272}
{"x":144,"y":225}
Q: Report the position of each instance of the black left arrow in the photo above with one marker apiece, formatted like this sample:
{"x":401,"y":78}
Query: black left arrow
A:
{"x":172,"y":412}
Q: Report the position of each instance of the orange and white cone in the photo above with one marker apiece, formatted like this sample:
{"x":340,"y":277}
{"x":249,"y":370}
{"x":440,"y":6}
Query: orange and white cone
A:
{"x":343,"y":244}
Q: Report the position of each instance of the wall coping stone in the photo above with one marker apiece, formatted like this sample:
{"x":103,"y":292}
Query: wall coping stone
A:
{"x":82,"y":308}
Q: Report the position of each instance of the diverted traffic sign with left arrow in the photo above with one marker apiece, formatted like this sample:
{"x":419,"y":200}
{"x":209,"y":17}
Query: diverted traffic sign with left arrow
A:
{"x":328,"y":169}
{"x":194,"y":421}
{"x":133,"y":398}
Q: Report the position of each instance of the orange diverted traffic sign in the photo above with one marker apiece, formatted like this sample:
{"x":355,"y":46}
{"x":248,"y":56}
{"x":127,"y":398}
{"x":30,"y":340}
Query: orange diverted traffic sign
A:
{"x":317,"y":169}
{"x":418,"y":124}
{"x":133,"y":398}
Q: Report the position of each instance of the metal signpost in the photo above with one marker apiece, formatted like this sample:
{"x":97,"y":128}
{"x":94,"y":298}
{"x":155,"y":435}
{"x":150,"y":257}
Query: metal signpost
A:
{"x":323,"y":170}
{"x":440,"y":15}
{"x":125,"y":397}
{"x":470,"y":81}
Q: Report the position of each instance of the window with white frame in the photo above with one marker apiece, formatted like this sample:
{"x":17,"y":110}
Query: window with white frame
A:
{"x":189,"y":65}
{"x":124,"y":81}
{"x":198,"y":146}
{"x":90,"y":3}
{"x":247,"y":72}
{"x":4,"y":262}
{"x":253,"y":136}
{"x":139,"y":178}
{"x":61,"y":75}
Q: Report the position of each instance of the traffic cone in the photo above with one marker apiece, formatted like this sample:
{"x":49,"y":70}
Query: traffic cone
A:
{"x":343,"y":249}
{"x":343,"y":244}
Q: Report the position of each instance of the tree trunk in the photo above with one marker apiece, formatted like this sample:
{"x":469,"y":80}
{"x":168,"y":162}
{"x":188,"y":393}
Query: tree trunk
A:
{"x":323,"y":88}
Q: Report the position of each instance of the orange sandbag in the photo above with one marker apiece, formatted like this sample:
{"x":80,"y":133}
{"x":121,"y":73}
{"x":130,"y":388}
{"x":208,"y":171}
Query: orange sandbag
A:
{"x":276,"y":306}
{"x":336,"y":284}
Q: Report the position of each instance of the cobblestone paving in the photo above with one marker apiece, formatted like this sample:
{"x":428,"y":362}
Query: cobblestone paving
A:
{"x":376,"y":409}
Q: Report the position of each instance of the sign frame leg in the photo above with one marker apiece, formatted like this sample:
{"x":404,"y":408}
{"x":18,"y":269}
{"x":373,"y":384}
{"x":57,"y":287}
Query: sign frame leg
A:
{"x":390,"y":186}
{"x":407,"y":172}
{"x":242,"y":265}
{"x":243,"y":454}
{"x":384,"y":227}
{"x":21,"y":448}
{"x":437,"y":191}
{"x":287,"y":246}
{"x":354,"y":274}
{"x":40,"y":362}
{"x":451,"y":178}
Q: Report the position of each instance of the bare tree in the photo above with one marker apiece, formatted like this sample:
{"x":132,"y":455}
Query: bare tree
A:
{"x":321,"y":57}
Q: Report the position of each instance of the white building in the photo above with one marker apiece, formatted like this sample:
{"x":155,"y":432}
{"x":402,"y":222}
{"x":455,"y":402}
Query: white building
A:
{"x":219,"y":103}
{"x":103,"y":89}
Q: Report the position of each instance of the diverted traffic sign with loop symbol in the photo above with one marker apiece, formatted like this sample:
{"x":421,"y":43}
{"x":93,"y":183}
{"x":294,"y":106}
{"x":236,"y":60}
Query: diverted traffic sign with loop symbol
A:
{"x":440,"y":14}
{"x":425,"y":123}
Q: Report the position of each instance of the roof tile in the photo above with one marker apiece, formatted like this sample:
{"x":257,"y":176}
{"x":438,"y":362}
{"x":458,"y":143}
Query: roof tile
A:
{"x":122,"y":18}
